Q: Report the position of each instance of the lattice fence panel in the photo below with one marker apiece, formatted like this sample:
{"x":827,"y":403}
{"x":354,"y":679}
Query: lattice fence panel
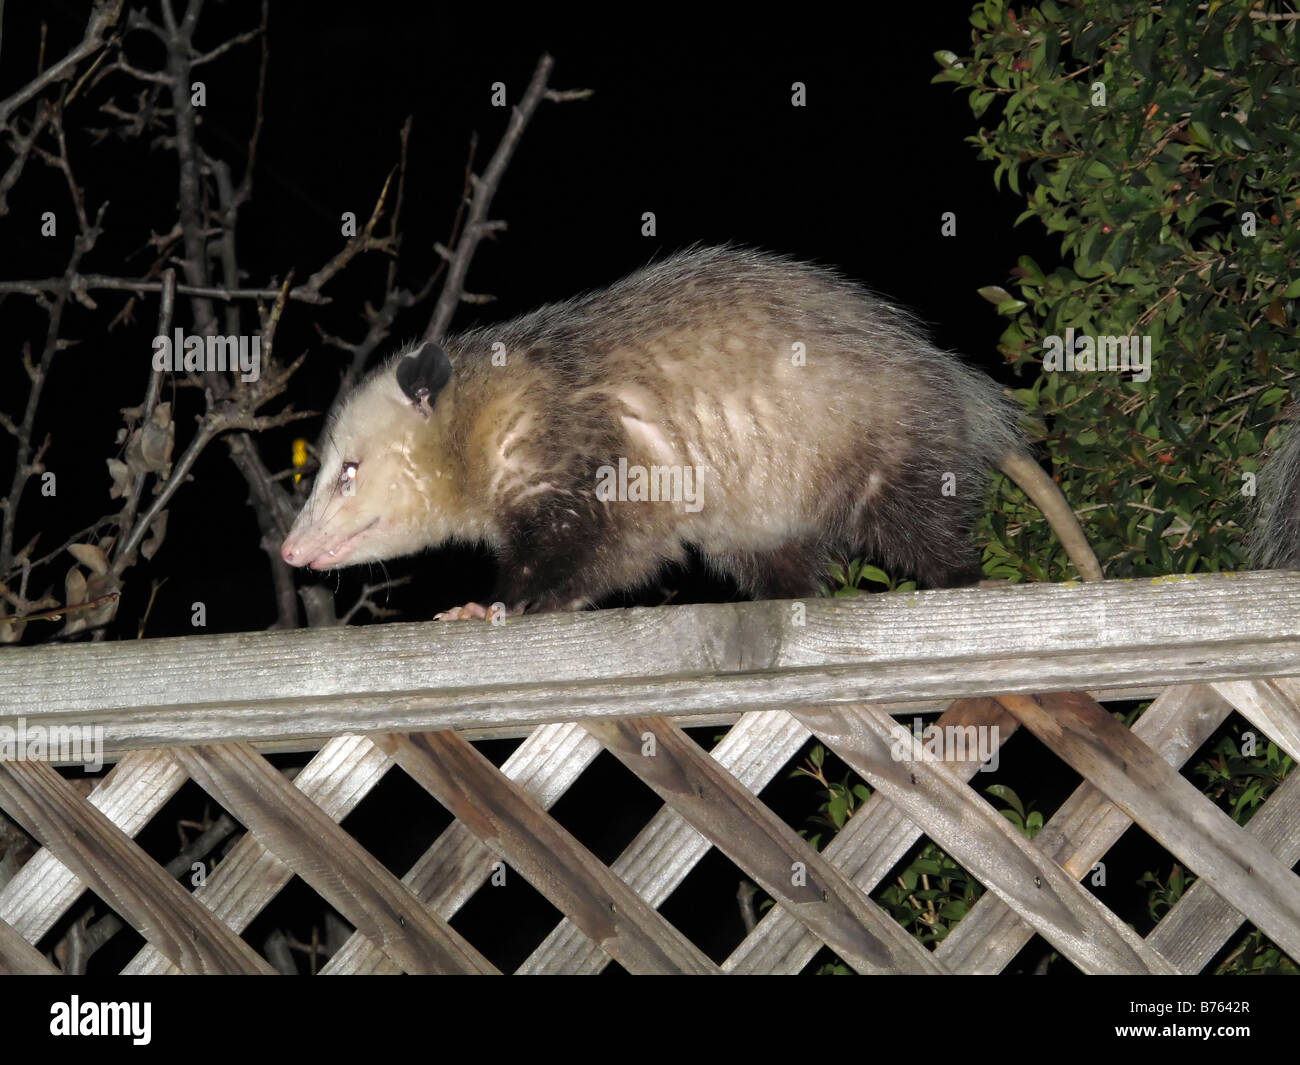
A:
{"x":611,"y":912}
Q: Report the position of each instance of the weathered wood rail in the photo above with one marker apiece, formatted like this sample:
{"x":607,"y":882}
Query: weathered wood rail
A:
{"x":412,"y":696}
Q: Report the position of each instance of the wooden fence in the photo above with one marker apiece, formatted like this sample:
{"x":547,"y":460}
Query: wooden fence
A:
{"x":365,"y":700}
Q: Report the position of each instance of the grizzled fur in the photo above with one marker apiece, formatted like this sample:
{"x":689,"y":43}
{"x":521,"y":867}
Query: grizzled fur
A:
{"x":688,"y":362}
{"x":1275,"y":533}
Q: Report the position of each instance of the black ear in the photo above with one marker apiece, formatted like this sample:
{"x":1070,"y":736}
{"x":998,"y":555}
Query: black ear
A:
{"x":423,"y":374}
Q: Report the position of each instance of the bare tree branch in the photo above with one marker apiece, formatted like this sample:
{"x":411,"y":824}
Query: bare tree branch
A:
{"x":24,"y":466}
{"x":483,"y":189}
{"x":366,"y":601}
{"x":225,"y":46}
{"x":365,"y":240}
{"x":21,"y":145}
{"x":98,"y":282}
{"x":132,"y":503}
{"x":477,"y":226}
{"x":179,"y":75}
{"x":102,"y":17}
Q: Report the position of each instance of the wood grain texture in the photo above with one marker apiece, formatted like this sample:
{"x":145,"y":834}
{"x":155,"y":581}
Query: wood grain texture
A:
{"x":1080,"y":833}
{"x":449,"y":873}
{"x":20,"y":958}
{"x":1200,"y":922}
{"x":574,"y":880}
{"x":663,"y":853}
{"x":250,"y":876}
{"x":1272,"y":706}
{"x":129,"y":795}
{"x":334,"y":864}
{"x":111,"y":864}
{"x":611,"y":668}
{"x":984,"y":842}
{"x":873,"y":842}
{"x":764,"y":846}
{"x":1169,"y":809}
{"x":294,"y":686}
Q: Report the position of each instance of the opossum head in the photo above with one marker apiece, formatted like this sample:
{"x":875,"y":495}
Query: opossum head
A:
{"x":387,"y":485}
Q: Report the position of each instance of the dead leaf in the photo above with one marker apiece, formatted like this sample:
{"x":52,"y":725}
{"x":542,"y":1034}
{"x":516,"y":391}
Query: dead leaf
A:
{"x":157,"y":533}
{"x":74,"y":591}
{"x":122,"y":479}
{"x":91,"y":556}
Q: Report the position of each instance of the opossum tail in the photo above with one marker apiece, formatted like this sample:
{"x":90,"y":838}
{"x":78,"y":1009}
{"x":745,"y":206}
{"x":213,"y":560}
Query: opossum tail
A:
{"x":1047,"y":497}
{"x":993,"y":418}
{"x":1275,"y":524}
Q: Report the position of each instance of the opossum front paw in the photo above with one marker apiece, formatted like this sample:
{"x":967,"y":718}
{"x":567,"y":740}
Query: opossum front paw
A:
{"x":495,"y":612}
{"x":463,"y":613}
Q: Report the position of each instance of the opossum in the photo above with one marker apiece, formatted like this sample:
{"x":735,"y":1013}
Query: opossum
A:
{"x":1275,"y":519}
{"x":766,"y":412}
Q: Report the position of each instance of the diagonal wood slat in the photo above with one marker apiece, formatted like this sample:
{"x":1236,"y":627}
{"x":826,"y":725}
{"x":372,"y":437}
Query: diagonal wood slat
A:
{"x":1085,"y":827}
{"x":111,"y":863}
{"x":250,"y":876}
{"x":129,"y":795}
{"x":516,"y":827}
{"x":874,"y":840}
{"x":983,"y":841}
{"x":20,"y":958}
{"x":1169,"y":809}
{"x":1272,"y":706}
{"x":763,"y":845}
{"x":1199,"y":923}
{"x":330,"y":860}
{"x":668,"y":848}
{"x":455,"y":867}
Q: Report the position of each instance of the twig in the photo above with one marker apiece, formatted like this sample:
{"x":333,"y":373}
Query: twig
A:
{"x":220,"y":419}
{"x":246,"y":182}
{"x":362,"y":241}
{"x":60,"y":162}
{"x":98,"y":282}
{"x":225,"y":46}
{"x":104,"y":15}
{"x":364,"y":602}
{"x":129,"y":508}
{"x":56,"y":613}
{"x":24,"y":466}
{"x":477,"y":225}
{"x":148,"y":608}
{"x":381,"y":319}
{"x":21,"y":146}
{"x":76,"y":538}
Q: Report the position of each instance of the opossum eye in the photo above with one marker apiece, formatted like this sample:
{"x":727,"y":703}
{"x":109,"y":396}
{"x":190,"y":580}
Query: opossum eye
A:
{"x":348,"y":478}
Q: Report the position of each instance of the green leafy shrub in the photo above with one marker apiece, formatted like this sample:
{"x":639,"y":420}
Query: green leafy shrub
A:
{"x":1163,"y":145}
